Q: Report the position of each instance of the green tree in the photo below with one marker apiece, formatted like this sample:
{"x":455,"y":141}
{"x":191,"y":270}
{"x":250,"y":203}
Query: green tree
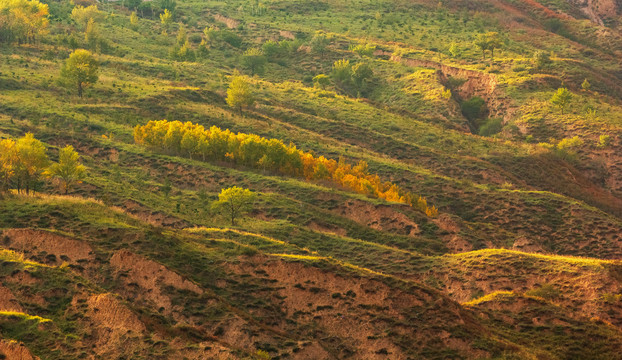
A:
{"x":321,"y":81}
{"x":233,"y":202}
{"x":561,"y":98}
{"x":488,"y":41}
{"x":82,"y":15}
{"x":271,"y":49}
{"x":182,"y":35}
{"x":182,"y":50}
{"x":474,"y":108}
{"x":319,"y":43}
{"x":254,"y":60}
{"x":68,"y":168}
{"x":361,"y":73}
{"x":81,"y":69}
{"x":541,"y":59}
{"x":7,"y":163}
{"x":482,"y":43}
{"x":185,"y":52}
{"x":91,"y":34}
{"x":590,"y":112}
{"x":585,"y":85}
{"x":454,"y":50}
{"x":494,"y":42}
{"x":30,"y":162}
{"x":239,"y":93}
{"x":166,"y":188}
{"x":342,"y":71}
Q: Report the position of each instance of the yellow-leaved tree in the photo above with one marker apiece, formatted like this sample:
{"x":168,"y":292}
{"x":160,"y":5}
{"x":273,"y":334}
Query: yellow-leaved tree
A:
{"x":22,"y":20}
{"x":30,"y":160}
{"x":7,"y":163}
{"x":234,"y":202}
{"x":68,"y":168}
{"x":80,"y":69}
{"x":239,"y":93}
{"x":81,"y":15}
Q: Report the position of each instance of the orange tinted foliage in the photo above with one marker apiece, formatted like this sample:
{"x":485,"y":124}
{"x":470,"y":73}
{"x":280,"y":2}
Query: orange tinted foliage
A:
{"x":255,"y":151}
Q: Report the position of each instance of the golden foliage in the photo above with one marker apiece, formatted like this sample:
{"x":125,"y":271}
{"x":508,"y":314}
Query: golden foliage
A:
{"x":270,"y":154}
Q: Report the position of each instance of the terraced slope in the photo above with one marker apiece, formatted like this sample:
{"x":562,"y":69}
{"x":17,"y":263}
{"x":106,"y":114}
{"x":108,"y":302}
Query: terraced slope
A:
{"x":523,"y":261}
{"x":209,"y":293}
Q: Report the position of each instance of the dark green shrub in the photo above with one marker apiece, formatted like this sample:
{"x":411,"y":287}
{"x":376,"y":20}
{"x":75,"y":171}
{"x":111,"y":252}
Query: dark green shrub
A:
{"x":491,"y":127}
{"x":474,"y":108}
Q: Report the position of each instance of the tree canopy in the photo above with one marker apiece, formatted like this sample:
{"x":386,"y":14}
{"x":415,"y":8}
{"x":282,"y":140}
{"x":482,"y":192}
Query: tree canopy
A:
{"x":239,"y":93}
{"x":488,"y":42}
{"x":68,"y":168}
{"x":25,"y":161}
{"x":234,"y":202}
{"x":254,"y":60}
{"x":81,"y":69}
{"x":81,"y":15}
{"x":561,"y":99}
{"x":22,"y":20}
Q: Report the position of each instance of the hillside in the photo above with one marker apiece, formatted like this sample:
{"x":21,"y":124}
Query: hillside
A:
{"x":430,"y":180}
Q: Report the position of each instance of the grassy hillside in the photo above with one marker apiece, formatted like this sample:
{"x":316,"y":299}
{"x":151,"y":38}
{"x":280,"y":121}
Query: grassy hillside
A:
{"x":136,"y":262}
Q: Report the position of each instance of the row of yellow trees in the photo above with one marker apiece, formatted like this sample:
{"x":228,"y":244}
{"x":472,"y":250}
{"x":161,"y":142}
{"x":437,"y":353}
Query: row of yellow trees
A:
{"x":251,"y":150}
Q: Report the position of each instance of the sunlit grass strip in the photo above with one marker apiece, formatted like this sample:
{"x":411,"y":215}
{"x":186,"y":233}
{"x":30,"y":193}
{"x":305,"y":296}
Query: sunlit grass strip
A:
{"x":12,"y":256}
{"x":333,"y":261}
{"x":300,"y":257}
{"x":25,"y":316}
{"x":564,"y":258}
{"x":496,"y":295}
{"x":502,"y":295}
{"x":199,"y":230}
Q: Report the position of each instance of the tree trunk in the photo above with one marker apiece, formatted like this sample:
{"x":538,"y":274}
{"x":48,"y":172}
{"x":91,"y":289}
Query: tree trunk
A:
{"x":80,"y":89}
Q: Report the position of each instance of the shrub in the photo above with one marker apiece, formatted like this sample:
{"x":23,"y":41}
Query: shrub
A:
{"x":230,"y":38}
{"x":546,"y":291}
{"x":604,"y":141}
{"x":321,"y":81}
{"x":474,"y":108}
{"x":491,"y":127}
